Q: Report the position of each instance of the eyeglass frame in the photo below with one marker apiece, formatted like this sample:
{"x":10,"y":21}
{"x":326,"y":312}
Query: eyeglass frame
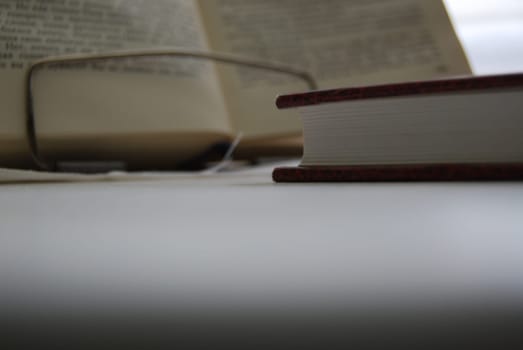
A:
{"x":30,"y":124}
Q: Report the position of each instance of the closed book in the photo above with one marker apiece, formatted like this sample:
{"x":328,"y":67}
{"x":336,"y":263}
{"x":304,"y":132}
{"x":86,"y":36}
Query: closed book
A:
{"x":468,"y":128}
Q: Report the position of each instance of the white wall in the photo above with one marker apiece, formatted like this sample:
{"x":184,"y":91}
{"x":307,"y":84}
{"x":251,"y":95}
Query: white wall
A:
{"x":491,"y":32}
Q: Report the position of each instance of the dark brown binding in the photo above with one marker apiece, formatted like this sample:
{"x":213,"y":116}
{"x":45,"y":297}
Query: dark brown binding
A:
{"x":401,"y":89}
{"x":395,"y":173}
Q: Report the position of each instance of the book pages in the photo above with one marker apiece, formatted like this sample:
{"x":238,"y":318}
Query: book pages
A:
{"x":342,"y":43}
{"x":32,"y":29}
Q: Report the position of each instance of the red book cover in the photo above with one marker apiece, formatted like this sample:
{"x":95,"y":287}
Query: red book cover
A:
{"x":394,"y":173}
{"x":401,"y":89}
{"x":405,"y":172}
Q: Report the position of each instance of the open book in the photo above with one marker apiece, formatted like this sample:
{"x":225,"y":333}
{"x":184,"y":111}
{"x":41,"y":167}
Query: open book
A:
{"x":162,"y":119}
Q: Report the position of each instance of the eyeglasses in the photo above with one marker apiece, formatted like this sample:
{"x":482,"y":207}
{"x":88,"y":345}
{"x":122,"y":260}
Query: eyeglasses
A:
{"x":162,"y":64}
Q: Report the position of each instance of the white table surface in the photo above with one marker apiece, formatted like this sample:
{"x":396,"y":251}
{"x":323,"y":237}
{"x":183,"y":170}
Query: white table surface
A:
{"x":240,"y":238}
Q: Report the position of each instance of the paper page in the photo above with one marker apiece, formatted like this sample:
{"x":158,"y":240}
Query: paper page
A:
{"x":232,"y":175}
{"x":17,"y":176}
{"x":342,"y":43}
{"x":33,"y":29}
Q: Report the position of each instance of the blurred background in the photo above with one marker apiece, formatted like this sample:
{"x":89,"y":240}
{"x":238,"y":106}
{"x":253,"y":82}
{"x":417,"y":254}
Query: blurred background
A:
{"x":491,"y":33}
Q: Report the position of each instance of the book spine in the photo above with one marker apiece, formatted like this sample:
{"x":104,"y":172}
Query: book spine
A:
{"x":392,"y":173}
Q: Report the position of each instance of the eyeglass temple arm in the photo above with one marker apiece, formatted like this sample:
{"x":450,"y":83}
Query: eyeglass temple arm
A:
{"x":214,"y":56}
